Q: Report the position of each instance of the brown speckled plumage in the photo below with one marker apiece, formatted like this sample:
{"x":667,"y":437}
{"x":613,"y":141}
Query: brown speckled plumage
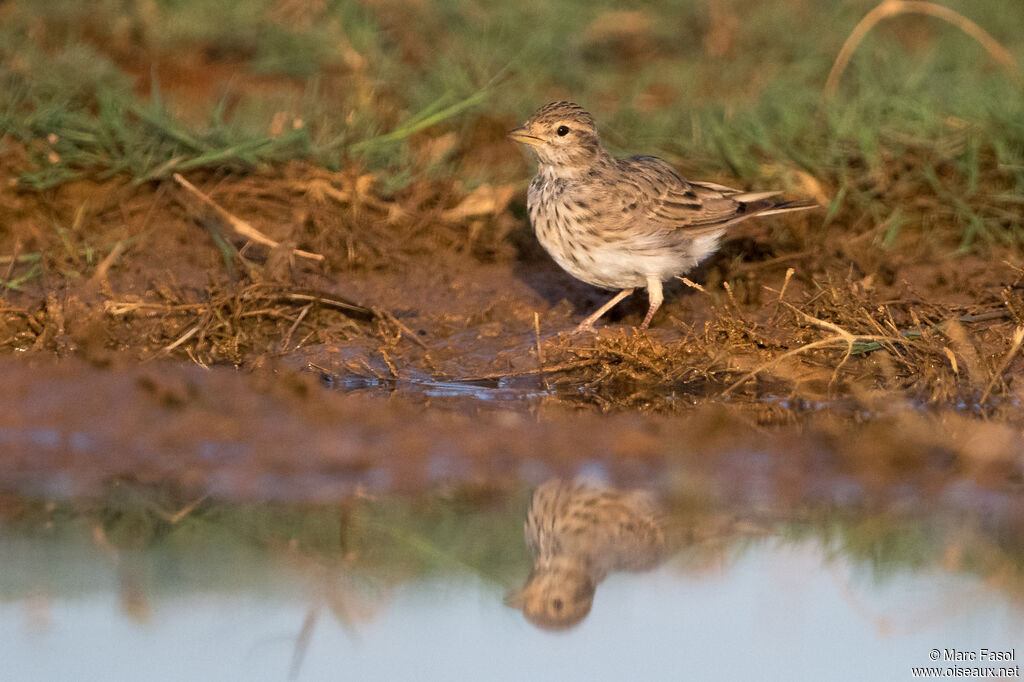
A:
{"x":624,"y":223}
{"x":577,"y":534}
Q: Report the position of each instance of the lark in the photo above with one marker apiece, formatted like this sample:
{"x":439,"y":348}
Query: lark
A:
{"x":578,"y":533}
{"x":624,"y":223}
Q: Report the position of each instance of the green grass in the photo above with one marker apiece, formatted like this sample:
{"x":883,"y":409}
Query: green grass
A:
{"x":355,"y":83}
{"x":420,"y":536}
{"x":396,"y":538}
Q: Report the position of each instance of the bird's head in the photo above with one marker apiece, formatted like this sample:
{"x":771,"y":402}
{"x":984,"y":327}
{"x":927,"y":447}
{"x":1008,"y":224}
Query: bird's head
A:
{"x":562,"y":134}
{"x":556,"y":597}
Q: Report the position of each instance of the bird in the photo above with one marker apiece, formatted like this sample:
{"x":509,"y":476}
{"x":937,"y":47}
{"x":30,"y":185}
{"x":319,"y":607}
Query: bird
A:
{"x":577,"y":533}
{"x":624,"y":223}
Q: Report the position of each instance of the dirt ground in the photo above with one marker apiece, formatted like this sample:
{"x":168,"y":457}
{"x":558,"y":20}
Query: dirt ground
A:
{"x":436,"y":282}
{"x":123,"y":301}
{"x":437,"y":298}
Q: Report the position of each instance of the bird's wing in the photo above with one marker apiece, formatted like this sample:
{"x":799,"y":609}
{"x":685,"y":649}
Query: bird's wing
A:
{"x":657,"y":194}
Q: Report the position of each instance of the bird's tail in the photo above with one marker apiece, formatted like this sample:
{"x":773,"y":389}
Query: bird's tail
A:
{"x":761,"y":204}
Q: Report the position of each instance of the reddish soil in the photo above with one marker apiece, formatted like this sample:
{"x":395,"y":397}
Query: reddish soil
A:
{"x":104,"y":379}
{"x":68,"y":428}
{"x":127,"y":299}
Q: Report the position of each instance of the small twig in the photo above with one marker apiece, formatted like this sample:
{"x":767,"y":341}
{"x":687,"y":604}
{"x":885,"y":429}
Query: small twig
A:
{"x":841,"y":337}
{"x":157,"y":196}
{"x":353,"y":309}
{"x":824,"y":324}
{"x":177,"y":516}
{"x":1018,"y":339}
{"x":982,"y":317}
{"x":14,"y":259}
{"x":295,"y":325}
{"x":384,"y":314}
{"x":891,"y":8}
{"x":104,"y":265}
{"x":391,"y":365}
{"x":128,"y":307}
{"x":823,"y":343}
{"x":732,"y":299}
{"x":550,"y":369}
{"x":302,"y":642}
{"x":181,"y":339}
{"x":320,"y":368}
{"x":785,"y":283}
{"x":540,"y":351}
{"x":240,"y":226}
{"x":373,"y":372}
{"x":193,"y":358}
{"x":952,"y":360}
{"x":536,"y":331}
{"x":691,"y":284}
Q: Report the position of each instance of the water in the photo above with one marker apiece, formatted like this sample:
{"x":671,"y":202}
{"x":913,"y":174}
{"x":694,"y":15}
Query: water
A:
{"x":780,"y":611}
{"x":413,"y":588}
{"x":218,"y":529}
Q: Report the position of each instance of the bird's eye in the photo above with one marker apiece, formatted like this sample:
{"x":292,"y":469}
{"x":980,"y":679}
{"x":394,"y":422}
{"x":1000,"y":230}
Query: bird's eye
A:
{"x":562,"y":131}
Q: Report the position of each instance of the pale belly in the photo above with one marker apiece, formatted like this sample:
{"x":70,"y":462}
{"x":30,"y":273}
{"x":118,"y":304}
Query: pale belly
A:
{"x":627,"y":261}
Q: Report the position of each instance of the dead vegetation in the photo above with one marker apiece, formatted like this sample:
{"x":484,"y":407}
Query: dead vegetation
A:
{"x":231,"y":269}
{"x":159,"y":288}
{"x":825,"y":339}
{"x":214,"y":250}
{"x":854,"y":302}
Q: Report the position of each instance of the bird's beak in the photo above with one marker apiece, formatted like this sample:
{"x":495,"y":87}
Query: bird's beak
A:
{"x":515,"y":599}
{"x":520,"y":135}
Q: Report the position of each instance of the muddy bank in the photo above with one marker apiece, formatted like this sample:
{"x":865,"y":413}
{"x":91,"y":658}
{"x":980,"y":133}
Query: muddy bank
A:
{"x":68,"y":427}
{"x":433,"y":297}
{"x":432,"y":281}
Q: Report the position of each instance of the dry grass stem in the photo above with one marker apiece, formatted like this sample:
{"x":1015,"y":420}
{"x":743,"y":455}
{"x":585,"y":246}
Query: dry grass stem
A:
{"x":842,"y":338}
{"x":1018,"y":339}
{"x":239,"y":226}
{"x":549,"y":369}
{"x":302,"y":642}
{"x":540,"y":350}
{"x":353,"y":309}
{"x":386,"y":315}
{"x":177,"y":516}
{"x":180,"y":340}
{"x":295,"y":325}
{"x":130,"y":307}
{"x":536,"y":332}
{"x":391,"y":365}
{"x":785,"y":283}
{"x":952,"y":360}
{"x":11,"y":261}
{"x":108,"y":261}
{"x":690,"y":283}
{"x":891,"y":8}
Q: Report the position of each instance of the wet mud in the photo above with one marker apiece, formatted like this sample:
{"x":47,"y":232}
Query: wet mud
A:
{"x":190,"y":412}
{"x":144,"y":330}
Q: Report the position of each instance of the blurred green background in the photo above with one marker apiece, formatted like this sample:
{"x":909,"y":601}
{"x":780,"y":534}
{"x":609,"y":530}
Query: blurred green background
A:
{"x":411,"y":89}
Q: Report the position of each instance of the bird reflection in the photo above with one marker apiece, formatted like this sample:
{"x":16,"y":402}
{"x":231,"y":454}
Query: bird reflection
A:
{"x":578,"y":533}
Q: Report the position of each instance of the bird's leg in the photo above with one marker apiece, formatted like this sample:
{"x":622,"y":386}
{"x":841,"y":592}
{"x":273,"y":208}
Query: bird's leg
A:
{"x":588,"y":324}
{"x":655,"y":297}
